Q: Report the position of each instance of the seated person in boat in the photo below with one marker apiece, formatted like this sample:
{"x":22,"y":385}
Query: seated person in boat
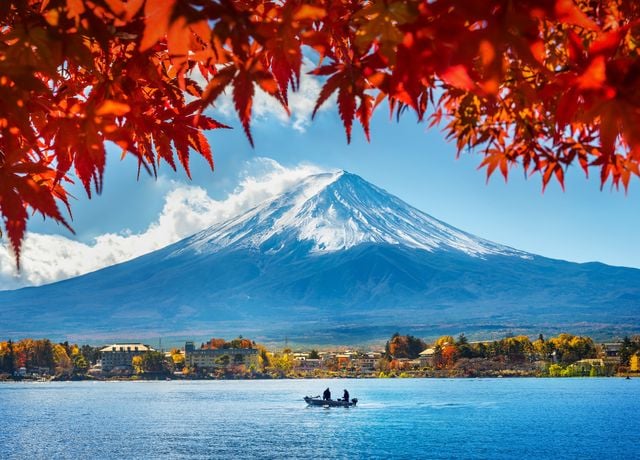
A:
{"x":326,"y":395}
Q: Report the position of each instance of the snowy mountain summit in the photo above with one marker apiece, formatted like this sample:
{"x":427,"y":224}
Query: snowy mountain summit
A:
{"x":337,"y":211}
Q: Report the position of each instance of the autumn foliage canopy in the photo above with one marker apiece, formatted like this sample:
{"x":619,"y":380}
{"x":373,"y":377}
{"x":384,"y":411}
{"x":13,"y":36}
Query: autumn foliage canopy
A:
{"x":538,"y":83}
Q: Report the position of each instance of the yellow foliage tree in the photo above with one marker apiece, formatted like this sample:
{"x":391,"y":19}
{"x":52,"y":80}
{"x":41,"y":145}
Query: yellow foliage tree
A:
{"x":177,"y":357}
{"x":136,"y":363}
{"x":63,"y":363}
{"x":444,"y":340}
{"x":282,"y":362}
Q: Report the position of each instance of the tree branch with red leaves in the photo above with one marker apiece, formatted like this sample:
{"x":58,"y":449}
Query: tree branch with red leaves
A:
{"x":537,"y":84}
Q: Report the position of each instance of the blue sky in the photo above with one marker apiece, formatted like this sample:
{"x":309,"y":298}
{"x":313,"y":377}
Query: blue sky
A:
{"x":581,"y":224}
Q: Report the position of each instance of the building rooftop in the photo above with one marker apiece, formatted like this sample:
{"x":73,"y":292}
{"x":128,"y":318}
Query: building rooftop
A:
{"x":126,"y":347}
{"x":428,"y":352}
{"x":223,"y":351}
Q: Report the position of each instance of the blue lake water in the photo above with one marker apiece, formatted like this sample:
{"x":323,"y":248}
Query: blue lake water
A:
{"x":399,"y":418}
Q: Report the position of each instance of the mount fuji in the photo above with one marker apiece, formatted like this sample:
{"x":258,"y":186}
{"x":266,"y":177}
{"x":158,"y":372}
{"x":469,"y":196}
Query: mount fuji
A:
{"x":335,"y":259}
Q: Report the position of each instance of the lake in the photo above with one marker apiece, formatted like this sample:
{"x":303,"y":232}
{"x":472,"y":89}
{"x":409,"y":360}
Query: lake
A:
{"x":395,"y":418}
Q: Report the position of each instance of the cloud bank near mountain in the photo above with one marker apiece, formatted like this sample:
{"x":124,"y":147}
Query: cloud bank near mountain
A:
{"x":187,"y":209}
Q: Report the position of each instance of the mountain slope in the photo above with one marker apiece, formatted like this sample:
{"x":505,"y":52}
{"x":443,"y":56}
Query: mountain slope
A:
{"x":335,"y":259}
{"x":337,"y":211}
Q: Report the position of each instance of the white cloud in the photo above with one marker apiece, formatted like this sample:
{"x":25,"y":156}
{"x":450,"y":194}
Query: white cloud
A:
{"x":301,"y":102}
{"x":187,"y":210}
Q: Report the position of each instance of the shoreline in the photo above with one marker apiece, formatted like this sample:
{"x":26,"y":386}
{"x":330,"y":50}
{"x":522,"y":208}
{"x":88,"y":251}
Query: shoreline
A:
{"x":441,"y":377}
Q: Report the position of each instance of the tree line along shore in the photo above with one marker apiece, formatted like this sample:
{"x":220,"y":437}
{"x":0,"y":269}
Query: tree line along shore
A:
{"x":565,"y":355}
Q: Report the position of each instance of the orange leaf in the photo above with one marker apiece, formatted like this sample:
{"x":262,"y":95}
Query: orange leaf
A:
{"x":347,"y":108}
{"x":132,"y":7}
{"x":457,"y":76}
{"x":327,"y":90}
{"x":181,"y":143}
{"x":309,"y":12}
{"x":538,"y":50}
{"x":199,"y":143}
{"x":163,"y":149}
{"x":202,"y":30}
{"x":487,"y":52}
{"x":217,"y":84}
{"x":364,"y":114}
{"x":156,"y":23}
{"x":75,"y":8}
{"x":15,"y":219}
{"x":178,"y":38}
{"x":595,"y":75}
{"x":243,"y":100}
{"x":110,"y":107}
{"x":567,"y":11}
{"x":116,"y":6}
{"x":605,"y":42}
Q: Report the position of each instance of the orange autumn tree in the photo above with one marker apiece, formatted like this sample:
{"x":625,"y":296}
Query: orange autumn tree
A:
{"x":542,"y":84}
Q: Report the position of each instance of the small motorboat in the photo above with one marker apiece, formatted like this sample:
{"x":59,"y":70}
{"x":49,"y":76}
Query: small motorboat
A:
{"x":318,"y":401}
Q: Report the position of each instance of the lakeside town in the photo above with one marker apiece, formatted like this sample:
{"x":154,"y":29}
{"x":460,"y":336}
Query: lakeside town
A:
{"x":565,"y":355}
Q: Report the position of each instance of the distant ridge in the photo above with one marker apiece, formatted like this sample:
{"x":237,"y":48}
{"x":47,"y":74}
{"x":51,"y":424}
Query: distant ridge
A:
{"x":334,"y":259}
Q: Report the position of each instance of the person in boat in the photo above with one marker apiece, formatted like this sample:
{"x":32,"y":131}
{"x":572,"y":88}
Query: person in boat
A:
{"x":326,"y":395}
{"x":345,"y":396}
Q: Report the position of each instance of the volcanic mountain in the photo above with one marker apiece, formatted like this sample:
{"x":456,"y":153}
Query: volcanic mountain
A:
{"x":333,"y":260}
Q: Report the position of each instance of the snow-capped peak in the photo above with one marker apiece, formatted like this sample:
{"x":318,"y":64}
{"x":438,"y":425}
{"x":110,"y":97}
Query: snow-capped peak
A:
{"x":336,"y":211}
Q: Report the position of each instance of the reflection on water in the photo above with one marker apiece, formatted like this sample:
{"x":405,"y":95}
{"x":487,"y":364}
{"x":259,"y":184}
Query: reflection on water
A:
{"x":426,"y":418}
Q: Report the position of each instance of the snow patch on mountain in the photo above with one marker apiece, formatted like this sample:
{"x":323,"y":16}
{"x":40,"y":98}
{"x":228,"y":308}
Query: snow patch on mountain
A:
{"x":336,"y":211}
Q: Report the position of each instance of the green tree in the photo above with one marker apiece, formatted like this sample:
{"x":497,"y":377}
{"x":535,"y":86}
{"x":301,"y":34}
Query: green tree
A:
{"x":626,"y":350}
{"x":480,"y":350}
{"x":541,"y":348}
{"x":223,"y":360}
{"x":92,"y":354}
{"x":464,"y":349}
{"x":7,"y":359}
{"x":263,"y":357}
{"x":153,"y":362}
{"x":80,"y":363}
{"x":555,"y":370}
{"x":516,"y":349}
{"x":42,"y":354}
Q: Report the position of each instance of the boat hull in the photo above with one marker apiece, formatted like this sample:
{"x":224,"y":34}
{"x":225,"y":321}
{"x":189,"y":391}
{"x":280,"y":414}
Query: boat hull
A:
{"x":330,"y":402}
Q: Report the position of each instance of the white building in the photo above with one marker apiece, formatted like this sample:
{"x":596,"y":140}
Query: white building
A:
{"x":427,"y":357}
{"x":119,"y":355}
{"x":218,"y":358}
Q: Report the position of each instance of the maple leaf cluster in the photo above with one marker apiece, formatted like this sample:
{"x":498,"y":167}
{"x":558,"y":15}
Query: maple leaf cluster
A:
{"x":538,"y":83}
